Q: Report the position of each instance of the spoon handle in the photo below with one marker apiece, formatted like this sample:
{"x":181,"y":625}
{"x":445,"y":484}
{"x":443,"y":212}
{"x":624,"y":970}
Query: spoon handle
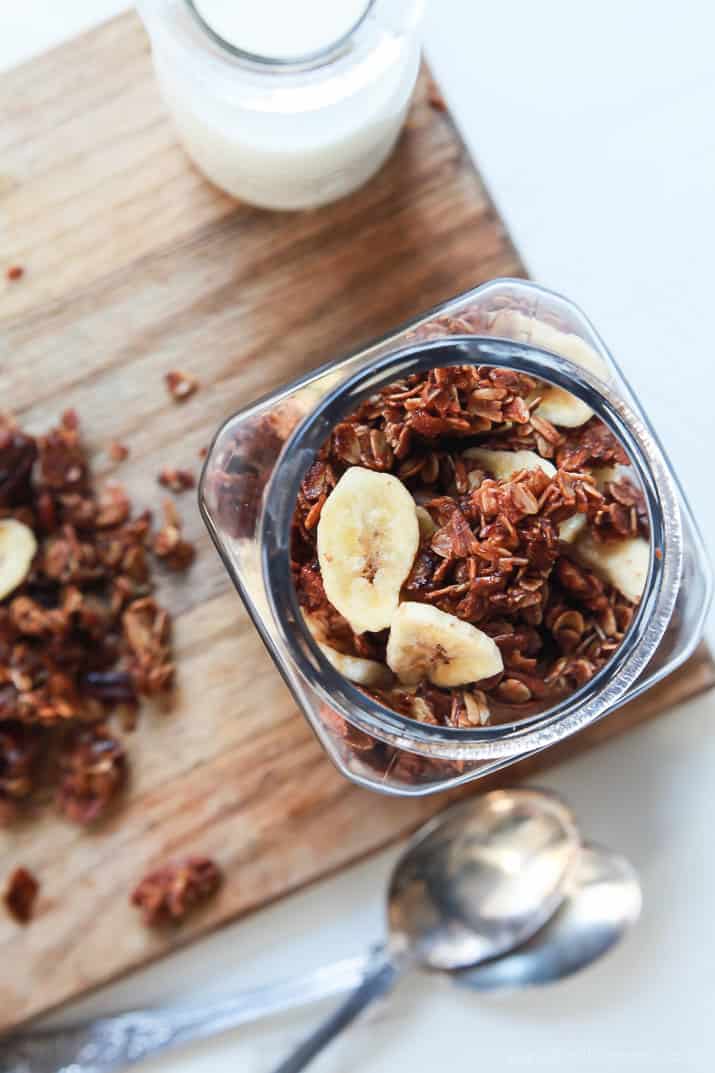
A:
{"x":123,"y":1039}
{"x":380,"y":979}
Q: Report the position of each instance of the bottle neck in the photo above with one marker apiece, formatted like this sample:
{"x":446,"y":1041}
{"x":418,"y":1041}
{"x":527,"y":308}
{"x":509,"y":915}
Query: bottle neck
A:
{"x":251,"y":44}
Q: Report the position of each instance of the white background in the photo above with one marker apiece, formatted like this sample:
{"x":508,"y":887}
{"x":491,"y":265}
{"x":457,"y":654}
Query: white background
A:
{"x":593,"y":125}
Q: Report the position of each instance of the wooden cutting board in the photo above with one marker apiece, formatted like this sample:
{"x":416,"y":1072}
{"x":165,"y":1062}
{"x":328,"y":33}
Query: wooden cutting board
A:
{"x":134,"y":265}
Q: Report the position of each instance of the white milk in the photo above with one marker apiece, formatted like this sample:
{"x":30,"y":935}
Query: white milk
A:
{"x":286,"y":134}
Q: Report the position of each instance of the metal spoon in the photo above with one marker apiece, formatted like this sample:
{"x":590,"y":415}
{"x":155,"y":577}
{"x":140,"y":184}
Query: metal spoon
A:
{"x":602,"y":903}
{"x":479,"y":880}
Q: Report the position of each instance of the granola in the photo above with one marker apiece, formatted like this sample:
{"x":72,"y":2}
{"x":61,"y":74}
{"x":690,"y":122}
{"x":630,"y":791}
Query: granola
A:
{"x":93,"y":770}
{"x":169,"y":893}
{"x":81,"y":634}
{"x":526,"y":544}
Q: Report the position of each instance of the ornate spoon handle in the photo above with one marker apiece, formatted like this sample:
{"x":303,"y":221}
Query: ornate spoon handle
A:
{"x":102,"y":1045}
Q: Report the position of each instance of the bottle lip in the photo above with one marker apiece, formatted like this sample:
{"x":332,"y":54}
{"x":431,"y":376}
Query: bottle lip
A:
{"x":260,"y":61}
{"x":204,"y":63}
{"x":584,"y":706}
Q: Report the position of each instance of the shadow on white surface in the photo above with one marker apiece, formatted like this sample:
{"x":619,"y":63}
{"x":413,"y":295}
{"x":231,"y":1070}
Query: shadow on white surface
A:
{"x":646,"y":1006}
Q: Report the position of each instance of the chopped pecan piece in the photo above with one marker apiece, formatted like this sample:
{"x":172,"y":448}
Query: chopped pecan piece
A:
{"x":113,"y":507}
{"x":169,"y":893}
{"x":147,"y":628}
{"x":118,"y":452}
{"x":20,"y":895}
{"x":169,"y":545}
{"x":93,"y":770}
{"x":181,"y":385}
{"x":176,"y":480}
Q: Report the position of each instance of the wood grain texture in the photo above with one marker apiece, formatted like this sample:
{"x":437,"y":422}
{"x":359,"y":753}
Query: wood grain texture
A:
{"x":135,"y":265}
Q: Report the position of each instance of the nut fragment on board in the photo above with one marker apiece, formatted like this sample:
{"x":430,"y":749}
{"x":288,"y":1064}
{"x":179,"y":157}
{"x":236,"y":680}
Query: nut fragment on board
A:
{"x":168,"y":894}
{"x":169,"y":544}
{"x":118,"y":452}
{"x":176,"y":480}
{"x":93,"y":771}
{"x":20,"y":895}
{"x":181,"y":385}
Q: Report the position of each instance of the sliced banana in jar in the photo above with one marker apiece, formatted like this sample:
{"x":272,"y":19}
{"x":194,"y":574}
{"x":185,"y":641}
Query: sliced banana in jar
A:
{"x":504,"y":464}
{"x":368,"y":535}
{"x":17,"y":550}
{"x":571,"y":528}
{"x":426,"y":643}
{"x":363,"y":672}
{"x":622,"y":563}
{"x":557,"y":405}
{"x":428,"y":527}
{"x":357,"y":669}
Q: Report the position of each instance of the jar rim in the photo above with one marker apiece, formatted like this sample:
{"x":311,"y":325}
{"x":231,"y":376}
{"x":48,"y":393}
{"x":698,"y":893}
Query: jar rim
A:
{"x":277,"y":63}
{"x":608,"y":686}
{"x":372,"y":47}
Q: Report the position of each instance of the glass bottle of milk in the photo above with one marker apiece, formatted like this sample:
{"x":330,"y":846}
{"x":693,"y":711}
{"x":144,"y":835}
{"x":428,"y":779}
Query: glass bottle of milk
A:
{"x":287,"y":104}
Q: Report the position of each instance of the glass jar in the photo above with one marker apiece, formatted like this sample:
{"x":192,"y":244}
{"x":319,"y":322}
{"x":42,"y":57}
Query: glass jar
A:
{"x":247,"y":497}
{"x":289,"y":132}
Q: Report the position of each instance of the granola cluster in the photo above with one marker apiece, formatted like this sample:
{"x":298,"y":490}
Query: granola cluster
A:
{"x":81,"y":635}
{"x":169,"y":893}
{"x":506,"y":554}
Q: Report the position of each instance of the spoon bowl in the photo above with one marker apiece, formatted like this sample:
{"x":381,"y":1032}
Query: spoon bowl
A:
{"x":481,"y":878}
{"x":603,"y":901}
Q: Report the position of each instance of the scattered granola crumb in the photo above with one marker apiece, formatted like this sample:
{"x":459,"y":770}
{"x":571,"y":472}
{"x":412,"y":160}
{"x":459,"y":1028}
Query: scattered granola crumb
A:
{"x":177,"y":480}
{"x":146,"y":629}
{"x":169,"y":893}
{"x":169,"y":545}
{"x":181,"y":385}
{"x":15,"y":272}
{"x":118,"y":452}
{"x":203,"y":452}
{"x":93,"y":768}
{"x":435,"y":98}
{"x":20,"y":895}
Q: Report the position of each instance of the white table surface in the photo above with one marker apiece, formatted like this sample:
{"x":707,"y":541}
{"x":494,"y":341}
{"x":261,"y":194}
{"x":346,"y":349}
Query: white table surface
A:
{"x":593,"y":127}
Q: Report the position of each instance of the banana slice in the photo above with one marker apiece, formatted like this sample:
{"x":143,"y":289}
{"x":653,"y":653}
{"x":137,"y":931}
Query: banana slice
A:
{"x":503,"y":464}
{"x":622,"y":563}
{"x":571,"y":528}
{"x":424,"y":519}
{"x":558,"y":406}
{"x":425,"y":642}
{"x":368,"y":537}
{"x":17,"y":550}
{"x":364,"y":672}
